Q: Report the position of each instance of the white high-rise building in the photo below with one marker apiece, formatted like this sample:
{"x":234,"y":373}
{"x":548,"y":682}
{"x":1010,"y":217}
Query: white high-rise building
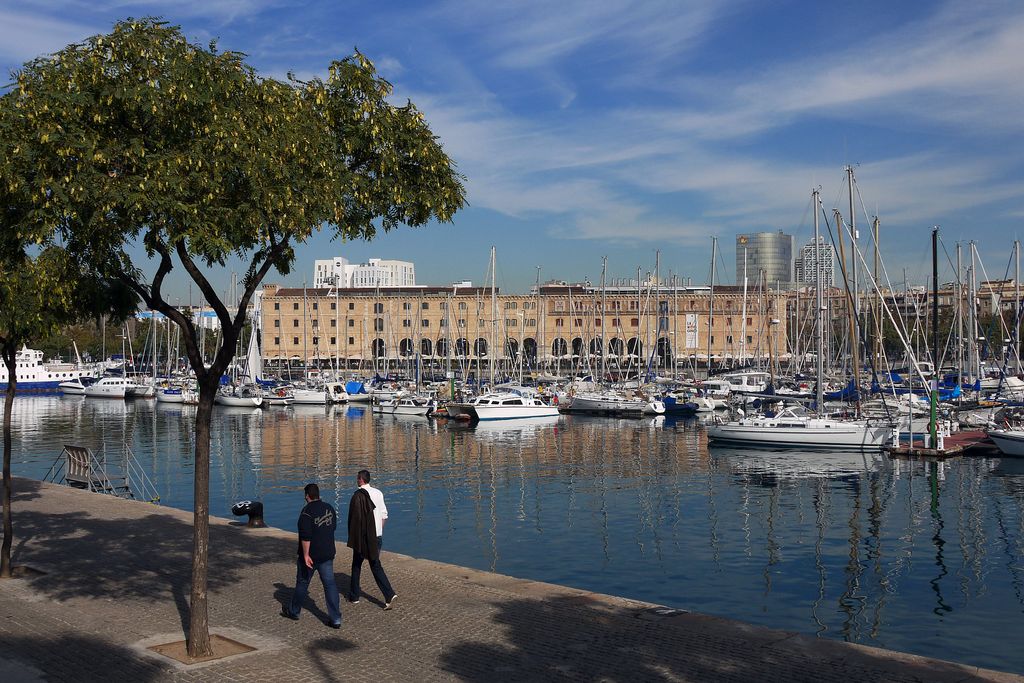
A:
{"x":805,"y":263}
{"x":338,"y":272}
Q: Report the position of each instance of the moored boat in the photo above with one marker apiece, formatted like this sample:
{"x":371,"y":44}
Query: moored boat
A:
{"x":108,"y":387}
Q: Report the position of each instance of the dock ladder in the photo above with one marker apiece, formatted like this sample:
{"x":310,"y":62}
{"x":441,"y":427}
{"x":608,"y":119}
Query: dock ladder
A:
{"x":78,"y":466}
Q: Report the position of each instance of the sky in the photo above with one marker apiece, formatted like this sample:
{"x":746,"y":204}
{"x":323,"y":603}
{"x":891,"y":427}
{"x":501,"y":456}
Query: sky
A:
{"x":637,"y":131}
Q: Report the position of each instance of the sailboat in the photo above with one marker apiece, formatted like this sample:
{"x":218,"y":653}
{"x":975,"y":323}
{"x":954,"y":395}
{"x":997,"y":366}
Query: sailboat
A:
{"x":794,"y":427}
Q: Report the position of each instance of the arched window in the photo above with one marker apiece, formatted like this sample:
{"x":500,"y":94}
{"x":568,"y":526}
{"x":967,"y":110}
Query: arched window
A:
{"x":577,"y":347}
{"x":530,"y":347}
{"x":379,"y":348}
{"x":443,"y":348}
{"x":559,"y":347}
{"x":616,"y":347}
{"x":480,"y":347}
{"x":634,"y":347}
{"x":511,"y":348}
{"x":426,"y":347}
{"x":461,"y":347}
{"x":406,"y":348}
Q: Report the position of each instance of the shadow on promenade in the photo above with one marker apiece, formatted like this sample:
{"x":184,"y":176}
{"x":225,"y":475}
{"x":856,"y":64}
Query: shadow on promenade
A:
{"x":567,"y":639}
{"x":145,"y":559}
{"x":79,"y":658}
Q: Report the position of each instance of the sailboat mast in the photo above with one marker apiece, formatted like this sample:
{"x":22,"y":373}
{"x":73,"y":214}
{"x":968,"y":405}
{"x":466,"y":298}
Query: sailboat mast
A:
{"x":743,"y":313}
{"x":494,"y":315}
{"x":711,"y":300}
{"x":819,"y":388}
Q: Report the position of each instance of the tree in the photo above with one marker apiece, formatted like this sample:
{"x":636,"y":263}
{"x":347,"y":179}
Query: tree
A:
{"x":38,"y":295}
{"x":143,"y":138}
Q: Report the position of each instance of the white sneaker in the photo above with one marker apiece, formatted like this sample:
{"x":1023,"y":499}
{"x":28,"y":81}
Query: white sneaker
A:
{"x":389,"y":603}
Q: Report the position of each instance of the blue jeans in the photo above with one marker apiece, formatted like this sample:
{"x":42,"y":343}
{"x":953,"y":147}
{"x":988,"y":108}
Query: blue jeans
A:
{"x":302,"y":577}
{"x":378,"y":574}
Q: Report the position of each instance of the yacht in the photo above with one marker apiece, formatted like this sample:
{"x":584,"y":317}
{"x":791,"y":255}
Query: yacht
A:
{"x":35,"y":375}
{"x":245,"y":396}
{"x":180,"y":395}
{"x":108,"y":387}
{"x":1008,"y":441}
{"x":76,"y":386}
{"x":795,"y":428}
{"x":502,"y":406}
{"x":613,"y":403}
{"x":409,"y":404}
{"x":317,"y":397}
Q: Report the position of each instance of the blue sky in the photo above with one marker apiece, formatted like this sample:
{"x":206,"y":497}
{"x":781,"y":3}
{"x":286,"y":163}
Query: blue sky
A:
{"x":590,"y":128}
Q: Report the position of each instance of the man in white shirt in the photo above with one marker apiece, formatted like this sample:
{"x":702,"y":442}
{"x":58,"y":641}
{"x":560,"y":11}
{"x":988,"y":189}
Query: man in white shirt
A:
{"x":380,"y":516}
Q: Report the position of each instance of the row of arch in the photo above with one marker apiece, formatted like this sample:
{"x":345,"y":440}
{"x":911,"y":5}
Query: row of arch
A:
{"x":560,"y":347}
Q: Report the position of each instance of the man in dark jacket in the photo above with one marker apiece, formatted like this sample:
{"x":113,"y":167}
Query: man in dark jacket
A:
{"x":317,"y":523}
{"x":364,"y":537}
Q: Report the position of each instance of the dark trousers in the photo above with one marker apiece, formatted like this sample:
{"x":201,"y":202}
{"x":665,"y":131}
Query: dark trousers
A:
{"x":378,"y":574}
{"x":331,"y":597}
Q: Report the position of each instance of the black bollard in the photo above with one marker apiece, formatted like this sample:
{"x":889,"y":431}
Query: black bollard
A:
{"x":253,"y":508}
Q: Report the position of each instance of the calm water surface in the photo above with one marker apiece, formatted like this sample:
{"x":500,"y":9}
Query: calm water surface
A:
{"x":925,"y":558}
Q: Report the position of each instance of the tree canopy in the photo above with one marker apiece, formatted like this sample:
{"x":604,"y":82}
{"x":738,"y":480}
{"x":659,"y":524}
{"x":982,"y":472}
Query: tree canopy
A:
{"x":142,"y":137}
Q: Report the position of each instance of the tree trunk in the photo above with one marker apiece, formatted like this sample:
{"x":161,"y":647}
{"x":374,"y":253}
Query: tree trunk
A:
{"x":9,"y":356}
{"x":198,"y":637}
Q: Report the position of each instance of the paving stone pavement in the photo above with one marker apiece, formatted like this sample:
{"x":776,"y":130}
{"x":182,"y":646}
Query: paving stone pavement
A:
{"x":117,"y":575}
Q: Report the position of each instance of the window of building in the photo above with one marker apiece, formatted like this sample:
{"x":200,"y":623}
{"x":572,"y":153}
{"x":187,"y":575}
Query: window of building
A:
{"x":462,"y":305}
{"x":351,"y":322}
{"x":425,"y":306}
{"x":351,"y":341}
{"x":443,"y":323}
{"x":425,"y":323}
{"x":559,"y":322}
{"x":511,"y":322}
{"x":579,"y":322}
{"x":315,"y":306}
{"x":597,"y":322}
{"x":728,"y":339}
{"x":406,"y":306}
{"x":351,"y":305}
{"x":462,"y":322}
{"x":406,"y":323}
{"x":277,"y":341}
{"x":444,"y":305}
{"x":750,"y":321}
{"x":510,"y":305}
{"x":616,"y":322}
{"x":532,"y":322}
{"x":316,"y":341}
{"x":334,"y":322}
{"x":635,"y":322}
{"x":728,"y":321}
{"x":750,"y":340}
{"x":277,"y":323}
{"x":295,"y":322}
{"x":378,"y":308}
{"x":295,"y":306}
{"x":295,"y":341}
{"x":334,"y":341}
{"x":316,"y":324}
{"x":378,"y":324}
{"x":334,"y":305}
{"x":277,"y":305}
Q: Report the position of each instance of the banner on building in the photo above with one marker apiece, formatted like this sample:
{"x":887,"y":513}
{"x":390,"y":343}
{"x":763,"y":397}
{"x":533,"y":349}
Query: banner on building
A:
{"x":691,"y":330}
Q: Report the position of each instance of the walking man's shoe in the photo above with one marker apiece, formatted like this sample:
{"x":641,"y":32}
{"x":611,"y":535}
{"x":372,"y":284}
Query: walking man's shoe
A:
{"x":288,"y":615}
{"x":334,"y":626}
{"x":390,"y":603}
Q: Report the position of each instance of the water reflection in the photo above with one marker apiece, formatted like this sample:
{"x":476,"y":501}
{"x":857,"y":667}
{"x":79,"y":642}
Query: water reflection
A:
{"x":917,"y":556}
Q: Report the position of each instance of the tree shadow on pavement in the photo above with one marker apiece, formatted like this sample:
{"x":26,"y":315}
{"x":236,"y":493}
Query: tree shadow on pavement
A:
{"x":76,"y":658}
{"x":23,"y":490}
{"x":573,"y":638}
{"x":145,"y":559}
{"x":322,"y":649}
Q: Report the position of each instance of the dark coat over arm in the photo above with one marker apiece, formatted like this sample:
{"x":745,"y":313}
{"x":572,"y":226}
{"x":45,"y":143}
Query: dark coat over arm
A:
{"x":362,"y":530}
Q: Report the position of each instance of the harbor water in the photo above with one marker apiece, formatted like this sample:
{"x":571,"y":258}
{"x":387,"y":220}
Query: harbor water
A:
{"x":914,"y":556}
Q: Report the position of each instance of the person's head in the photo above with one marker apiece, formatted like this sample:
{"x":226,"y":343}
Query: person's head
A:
{"x":312,"y":492}
{"x":363,"y":476}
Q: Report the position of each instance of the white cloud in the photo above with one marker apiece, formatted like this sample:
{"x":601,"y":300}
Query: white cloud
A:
{"x":24,"y":36}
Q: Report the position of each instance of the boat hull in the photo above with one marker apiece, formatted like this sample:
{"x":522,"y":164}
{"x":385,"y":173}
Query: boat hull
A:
{"x":1009,"y":442}
{"x":855,"y":438}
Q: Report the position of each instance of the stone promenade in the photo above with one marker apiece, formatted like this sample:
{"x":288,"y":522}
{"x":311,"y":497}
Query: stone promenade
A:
{"x":117,"y":579}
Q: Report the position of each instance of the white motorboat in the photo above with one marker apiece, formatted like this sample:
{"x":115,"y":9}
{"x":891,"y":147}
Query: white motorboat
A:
{"x":246,"y":396}
{"x":1008,"y":441}
{"x":406,"y":405}
{"x":794,"y":428}
{"x":336,"y":392}
{"x":613,"y":403}
{"x":281,"y":397}
{"x":180,"y":395}
{"x":108,"y":387}
{"x":502,"y":406}
{"x":75,"y":387}
{"x":139,"y":389}
{"x":317,"y":397}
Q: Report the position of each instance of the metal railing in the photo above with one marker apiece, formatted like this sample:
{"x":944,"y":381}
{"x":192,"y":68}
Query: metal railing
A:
{"x":78,"y":466}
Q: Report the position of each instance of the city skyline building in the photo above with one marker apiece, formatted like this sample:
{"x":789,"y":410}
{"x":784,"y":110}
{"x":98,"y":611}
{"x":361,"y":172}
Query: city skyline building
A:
{"x":805,"y":263}
{"x":770,"y":252}
{"x":340,"y":272}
